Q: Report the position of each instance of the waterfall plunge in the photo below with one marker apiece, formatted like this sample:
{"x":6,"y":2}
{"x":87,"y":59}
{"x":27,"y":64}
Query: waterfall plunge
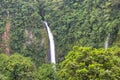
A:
{"x":52,"y":45}
{"x":107,"y":41}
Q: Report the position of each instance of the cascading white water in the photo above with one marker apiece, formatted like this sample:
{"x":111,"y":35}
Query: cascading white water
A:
{"x":52,"y":45}
{"x":107,"y":41}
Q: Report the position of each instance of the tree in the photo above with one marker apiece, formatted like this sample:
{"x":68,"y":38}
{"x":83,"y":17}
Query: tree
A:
{"x":3,"y":58}
{"x":17,"y":67}
{"x":46,"y":72}
{"x":86,"y":63}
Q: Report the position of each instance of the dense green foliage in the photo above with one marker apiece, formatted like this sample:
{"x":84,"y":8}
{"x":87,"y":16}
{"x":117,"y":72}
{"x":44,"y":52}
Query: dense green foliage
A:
{"x":81,"y":63}
{"x":46,"y":72}
{"x":85,"y":23}
{"x":17,"y":67}
{"x":90,"y":64}
{"x":73,"y":22}
{"x":23,"y":16}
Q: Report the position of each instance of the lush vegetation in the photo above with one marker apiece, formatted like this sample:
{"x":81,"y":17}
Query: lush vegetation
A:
{"x":16,"y":67}
{"x":83,"y":23}
{"x":86,"y":23}
{"x":86,"y":63}
{"x":81,"y":63}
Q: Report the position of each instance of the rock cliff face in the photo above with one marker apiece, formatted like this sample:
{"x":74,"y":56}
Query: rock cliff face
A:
{"x":6,"y":37}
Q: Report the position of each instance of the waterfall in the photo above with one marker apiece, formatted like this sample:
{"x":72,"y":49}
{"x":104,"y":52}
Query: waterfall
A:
{"x":107,"y":41}
{"x":52,"y":45}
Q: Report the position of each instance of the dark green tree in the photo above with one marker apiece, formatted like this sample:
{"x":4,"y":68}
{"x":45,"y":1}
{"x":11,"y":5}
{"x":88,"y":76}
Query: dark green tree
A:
{"x":46,"y":72}
{"x":17,"y":67}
